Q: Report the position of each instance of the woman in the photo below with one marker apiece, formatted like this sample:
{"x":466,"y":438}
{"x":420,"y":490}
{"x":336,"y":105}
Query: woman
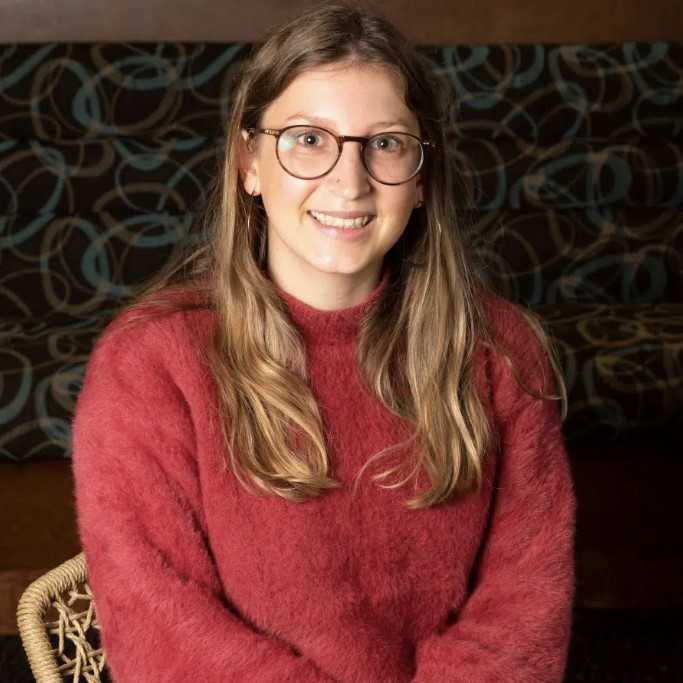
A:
{"x":316,"y":449}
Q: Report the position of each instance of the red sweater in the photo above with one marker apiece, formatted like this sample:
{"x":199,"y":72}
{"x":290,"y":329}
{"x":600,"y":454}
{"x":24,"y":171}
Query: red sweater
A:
{"x":197,"y":581}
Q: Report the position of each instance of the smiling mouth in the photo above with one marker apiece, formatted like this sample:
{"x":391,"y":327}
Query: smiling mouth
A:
{"x":335,"y":222}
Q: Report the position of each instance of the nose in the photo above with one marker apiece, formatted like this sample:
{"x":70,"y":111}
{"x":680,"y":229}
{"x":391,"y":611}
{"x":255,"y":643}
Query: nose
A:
{"x":349,"y":178}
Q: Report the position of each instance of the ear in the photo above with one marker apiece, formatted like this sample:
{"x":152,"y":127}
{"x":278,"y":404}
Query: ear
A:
{"x":249,"y":164}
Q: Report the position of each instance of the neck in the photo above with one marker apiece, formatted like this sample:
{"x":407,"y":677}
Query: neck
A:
{"x":331,"y":291}
{"x":335,"y":327}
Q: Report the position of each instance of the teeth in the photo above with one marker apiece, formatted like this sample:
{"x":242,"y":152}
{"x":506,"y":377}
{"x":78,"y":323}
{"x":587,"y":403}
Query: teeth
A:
{"x":335,"y":222}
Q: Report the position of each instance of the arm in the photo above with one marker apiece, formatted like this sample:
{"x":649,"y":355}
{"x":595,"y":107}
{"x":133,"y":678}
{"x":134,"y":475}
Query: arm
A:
{"x":516,"y":624}
{"x":161,"y":605}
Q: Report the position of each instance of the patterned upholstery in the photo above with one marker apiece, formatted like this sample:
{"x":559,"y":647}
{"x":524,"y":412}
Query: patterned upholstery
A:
{"x":572,"y":181}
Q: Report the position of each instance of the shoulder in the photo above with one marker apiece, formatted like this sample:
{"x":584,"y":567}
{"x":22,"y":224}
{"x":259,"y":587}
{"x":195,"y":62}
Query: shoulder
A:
{"x":137,"y":411}
{"x":516,"y":345}
{"x":168,"y":316}
{"x":140,"y":342}
{"x":505,"y":320}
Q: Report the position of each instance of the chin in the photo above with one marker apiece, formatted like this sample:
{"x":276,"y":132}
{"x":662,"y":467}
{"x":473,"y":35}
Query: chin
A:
{"x":340,"y":269}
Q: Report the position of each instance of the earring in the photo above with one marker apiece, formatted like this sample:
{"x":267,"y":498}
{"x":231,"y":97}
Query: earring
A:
{"x":251,"y":203}
{"x":419,"y":204}
{"x":262,"y":236}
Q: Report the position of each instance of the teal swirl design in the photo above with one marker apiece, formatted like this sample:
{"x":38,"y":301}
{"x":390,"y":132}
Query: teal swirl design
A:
{"x":43,"y":369}
{"x":70,"y":92}
{"x":578,"y":92}
{"x":628,"y":362}
{"x":83,"y":263}
{"x":569,"y":174}
{"x":571,"y":187}
{"x":606,"y":256}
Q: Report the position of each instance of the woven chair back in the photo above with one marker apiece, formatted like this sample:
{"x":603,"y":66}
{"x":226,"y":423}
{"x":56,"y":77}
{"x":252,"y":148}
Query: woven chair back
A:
{"x":58,"y":626}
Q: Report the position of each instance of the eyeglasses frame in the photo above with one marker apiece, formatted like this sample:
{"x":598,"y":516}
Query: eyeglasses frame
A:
{"x":341,"y":139}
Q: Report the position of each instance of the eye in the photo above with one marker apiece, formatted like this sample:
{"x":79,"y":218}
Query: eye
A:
{"x":386,"y":143}
{"x":302,"y":138}
{"x":310,"y":138}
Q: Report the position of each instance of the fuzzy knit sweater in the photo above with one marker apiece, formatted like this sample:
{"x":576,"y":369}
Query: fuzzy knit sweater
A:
{"x":198,"y":581}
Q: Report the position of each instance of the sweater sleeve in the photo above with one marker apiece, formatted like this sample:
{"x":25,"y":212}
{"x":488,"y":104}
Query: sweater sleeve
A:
{"x":515,"y":626}
{"x":163,"y":612}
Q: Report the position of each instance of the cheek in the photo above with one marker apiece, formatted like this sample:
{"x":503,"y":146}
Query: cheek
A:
{"x":401,"y":207}
{"x":283,"y":192}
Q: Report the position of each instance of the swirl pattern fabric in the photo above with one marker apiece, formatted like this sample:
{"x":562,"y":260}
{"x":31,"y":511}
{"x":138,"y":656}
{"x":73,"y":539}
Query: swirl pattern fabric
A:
{"x":611,"y":255}
{"x":623,"y":366}
{"x":571,"y":185}
{"x":542,"y":92}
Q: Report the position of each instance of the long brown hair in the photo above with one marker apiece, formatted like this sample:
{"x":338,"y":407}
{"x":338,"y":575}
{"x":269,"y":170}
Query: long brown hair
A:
{"x":257,"y":359}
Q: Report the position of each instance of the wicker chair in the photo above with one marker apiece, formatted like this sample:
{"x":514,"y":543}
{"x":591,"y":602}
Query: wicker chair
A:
{"x":58,"y":626}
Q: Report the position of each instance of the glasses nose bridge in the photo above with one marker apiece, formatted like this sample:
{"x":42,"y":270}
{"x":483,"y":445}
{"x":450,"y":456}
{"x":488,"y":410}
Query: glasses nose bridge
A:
{"x":352,"y":138}
{"x":362,"y":141}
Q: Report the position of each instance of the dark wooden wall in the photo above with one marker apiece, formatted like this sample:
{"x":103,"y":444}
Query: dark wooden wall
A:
{"x":425,"y":22}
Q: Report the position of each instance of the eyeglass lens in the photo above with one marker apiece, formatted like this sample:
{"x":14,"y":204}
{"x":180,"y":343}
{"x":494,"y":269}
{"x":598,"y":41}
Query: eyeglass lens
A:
{"x":309,"y":152}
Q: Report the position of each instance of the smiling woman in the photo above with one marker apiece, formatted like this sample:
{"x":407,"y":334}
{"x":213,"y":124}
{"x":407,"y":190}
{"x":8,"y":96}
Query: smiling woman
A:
{"x":331,"y":220}
{"x":316,"y":448}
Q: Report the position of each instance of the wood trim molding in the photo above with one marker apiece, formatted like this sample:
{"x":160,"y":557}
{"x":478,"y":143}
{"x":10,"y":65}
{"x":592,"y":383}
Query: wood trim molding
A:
{"x":37,"y":516}
{"x":430,"y":22}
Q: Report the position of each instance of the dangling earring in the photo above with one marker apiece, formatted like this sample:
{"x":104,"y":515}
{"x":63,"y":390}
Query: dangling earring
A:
{"x":258,"y":234}
{"x":251,"y":202}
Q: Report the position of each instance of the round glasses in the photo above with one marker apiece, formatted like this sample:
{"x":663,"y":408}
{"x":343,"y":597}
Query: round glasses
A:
{"x":309,"y":152}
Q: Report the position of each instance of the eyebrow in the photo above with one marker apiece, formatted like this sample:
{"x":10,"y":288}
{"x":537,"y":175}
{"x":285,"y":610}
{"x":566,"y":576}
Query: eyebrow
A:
{"x":328,"y":123}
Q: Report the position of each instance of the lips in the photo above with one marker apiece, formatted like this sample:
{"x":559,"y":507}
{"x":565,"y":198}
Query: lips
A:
{"x":342,"y":219}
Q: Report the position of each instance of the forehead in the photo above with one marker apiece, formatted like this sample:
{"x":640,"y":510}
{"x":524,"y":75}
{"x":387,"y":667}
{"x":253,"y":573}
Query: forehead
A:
{"x":348,"y":97}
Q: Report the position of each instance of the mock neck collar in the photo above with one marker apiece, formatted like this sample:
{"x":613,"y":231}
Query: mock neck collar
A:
{"x":328,"y":326}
